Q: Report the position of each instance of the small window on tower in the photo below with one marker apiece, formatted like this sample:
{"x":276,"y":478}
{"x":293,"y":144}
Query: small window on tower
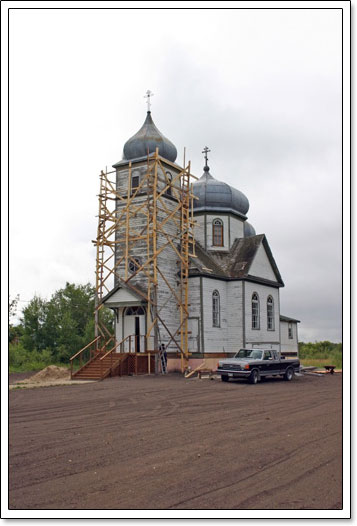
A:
{"x":135,"y":181}
{"x":134,"y":265}
{"x":217,"y":233}
{"x":168,"y":190}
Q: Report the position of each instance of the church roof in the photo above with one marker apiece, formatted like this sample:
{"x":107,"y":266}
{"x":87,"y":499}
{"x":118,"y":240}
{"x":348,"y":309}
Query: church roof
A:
{"x":287,"y":318}
{"x":137,"y":290}
{"x":146,"y":140}
{"x":236,"y":263}
{"x":217,"y":196}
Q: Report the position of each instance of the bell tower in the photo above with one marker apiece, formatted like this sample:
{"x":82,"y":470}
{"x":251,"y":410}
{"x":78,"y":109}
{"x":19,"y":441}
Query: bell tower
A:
{"x":145,"y":239}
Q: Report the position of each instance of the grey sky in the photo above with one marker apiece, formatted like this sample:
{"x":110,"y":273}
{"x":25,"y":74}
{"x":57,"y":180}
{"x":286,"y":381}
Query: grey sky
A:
{"x":261,"y":88}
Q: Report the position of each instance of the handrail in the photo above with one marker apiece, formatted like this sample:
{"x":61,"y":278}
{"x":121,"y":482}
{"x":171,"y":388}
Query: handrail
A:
{"x":111,"y":350}
{"x":84,"y":348}
{"x":111,"y":357}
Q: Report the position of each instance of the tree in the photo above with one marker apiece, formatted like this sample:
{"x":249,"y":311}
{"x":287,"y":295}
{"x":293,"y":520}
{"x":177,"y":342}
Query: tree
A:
{"x":13,"y":306}
{"x":15,"y":331}
{"x":33,"y":325}
{"x":63,"y":324}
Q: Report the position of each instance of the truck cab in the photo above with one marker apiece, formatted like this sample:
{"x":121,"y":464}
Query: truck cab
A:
{"x":255,"y":364}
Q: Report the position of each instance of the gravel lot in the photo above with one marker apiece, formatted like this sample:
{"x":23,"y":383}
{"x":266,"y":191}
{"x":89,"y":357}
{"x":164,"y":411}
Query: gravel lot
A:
{"x":165,"y":442}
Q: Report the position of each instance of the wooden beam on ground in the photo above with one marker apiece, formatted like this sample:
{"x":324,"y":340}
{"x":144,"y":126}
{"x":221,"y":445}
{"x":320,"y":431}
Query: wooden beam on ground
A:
{"x":195,"y":370}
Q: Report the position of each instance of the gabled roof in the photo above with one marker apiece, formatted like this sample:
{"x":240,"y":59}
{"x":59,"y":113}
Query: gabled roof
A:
{"x":286,"y":318}
{"x":137,"y":291}
{"x":236,"y":263}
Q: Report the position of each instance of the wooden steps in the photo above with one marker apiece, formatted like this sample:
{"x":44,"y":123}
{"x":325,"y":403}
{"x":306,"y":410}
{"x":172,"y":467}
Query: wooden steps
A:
{"x":97,"y":369}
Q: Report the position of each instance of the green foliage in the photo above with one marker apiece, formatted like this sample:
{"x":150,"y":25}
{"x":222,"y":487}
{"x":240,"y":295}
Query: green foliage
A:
{"x":32,"y":322}
{"x":20,"y":359}
{"x":52,"y":331}
{"x":321,"y":353}
{"x":13,"y":306}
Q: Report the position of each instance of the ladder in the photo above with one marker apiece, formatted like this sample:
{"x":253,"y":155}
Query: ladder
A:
{"x":163,"y":363}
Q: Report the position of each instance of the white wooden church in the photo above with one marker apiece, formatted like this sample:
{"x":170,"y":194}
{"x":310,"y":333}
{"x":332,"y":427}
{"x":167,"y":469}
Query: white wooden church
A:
{"x":234,"y":282}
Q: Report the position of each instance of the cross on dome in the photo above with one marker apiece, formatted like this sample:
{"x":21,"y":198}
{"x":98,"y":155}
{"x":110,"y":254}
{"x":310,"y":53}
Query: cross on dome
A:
{"x":205,"y":151}
{"x":147,"y":96}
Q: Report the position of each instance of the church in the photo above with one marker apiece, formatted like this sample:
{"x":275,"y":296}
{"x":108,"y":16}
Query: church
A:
{"x":231,"y":279}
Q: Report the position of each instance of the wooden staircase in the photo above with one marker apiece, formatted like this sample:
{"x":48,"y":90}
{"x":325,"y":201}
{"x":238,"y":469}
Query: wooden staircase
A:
{"x":98,"y":368}
{"x":96,"y":362}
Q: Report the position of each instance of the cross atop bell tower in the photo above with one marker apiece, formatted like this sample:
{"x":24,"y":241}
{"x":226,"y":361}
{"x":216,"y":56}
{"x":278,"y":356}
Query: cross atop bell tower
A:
{"x":147,"y":96}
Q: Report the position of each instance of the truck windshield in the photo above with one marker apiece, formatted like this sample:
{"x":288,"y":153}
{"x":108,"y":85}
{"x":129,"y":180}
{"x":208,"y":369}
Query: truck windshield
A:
{"x":249,"y":353}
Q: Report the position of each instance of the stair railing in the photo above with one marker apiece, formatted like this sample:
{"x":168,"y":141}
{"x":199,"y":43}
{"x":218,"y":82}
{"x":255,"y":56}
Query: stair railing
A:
{"x":79,"y":354}
{"x":111,"y":351}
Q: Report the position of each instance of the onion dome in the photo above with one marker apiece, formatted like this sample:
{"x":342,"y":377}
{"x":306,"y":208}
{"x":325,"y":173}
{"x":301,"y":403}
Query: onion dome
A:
{"x":216,"y":196}
{"x":249,"y":231}
{"x":146,"y":140}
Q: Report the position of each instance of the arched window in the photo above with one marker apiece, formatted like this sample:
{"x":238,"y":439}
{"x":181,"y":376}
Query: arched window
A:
{"x":270,"y":314}
{"x":134,"y":264}
{"x":168,"y":181}
{"x":216,"y":314}
{"x":134,"y":311}
{"x":290,"y":330}
{"x":217,"y":233}
{"x":255,"y":311}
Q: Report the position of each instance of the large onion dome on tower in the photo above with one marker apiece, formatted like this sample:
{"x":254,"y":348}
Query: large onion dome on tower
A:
{"x":217,"y":196}
{"x":146,"y":140}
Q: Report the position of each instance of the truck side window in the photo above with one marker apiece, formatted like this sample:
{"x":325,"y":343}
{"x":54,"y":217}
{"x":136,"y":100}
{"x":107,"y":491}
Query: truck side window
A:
{"x":267,"y":355}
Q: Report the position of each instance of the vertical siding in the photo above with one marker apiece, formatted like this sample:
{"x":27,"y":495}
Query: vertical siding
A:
{"x":237,"y":228}
{"x":167,"y":259}
{"x":261,"y":266}
{"x":262,"y":335}
{"x":287,"y":344}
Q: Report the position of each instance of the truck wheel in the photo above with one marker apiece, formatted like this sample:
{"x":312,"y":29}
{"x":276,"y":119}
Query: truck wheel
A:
{"x":254,"y":377}
{"x":224,"y":378}
{"x":289,"y":374}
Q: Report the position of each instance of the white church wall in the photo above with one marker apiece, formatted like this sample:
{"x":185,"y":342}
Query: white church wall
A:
{"x":167,"y":263}
{"x":119,"y":326}
{"x":215,"y":338}
{"x":200,"y":229}
{"x":167,"y":260}
{"x":262,"y":336}
{"x":289,"y":345}
{"x":261,"y":265}
{"x":194,"y":324}
{"x":235,"y":315}
{"x":236,"y":229}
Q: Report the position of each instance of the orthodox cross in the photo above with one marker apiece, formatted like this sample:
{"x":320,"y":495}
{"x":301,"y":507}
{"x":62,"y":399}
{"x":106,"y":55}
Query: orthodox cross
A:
{"x":205,"y":151}
{"x":147,"y":96}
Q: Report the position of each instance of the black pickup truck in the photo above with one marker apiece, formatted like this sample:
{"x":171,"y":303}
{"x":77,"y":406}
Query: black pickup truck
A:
{"x":255,"y":364}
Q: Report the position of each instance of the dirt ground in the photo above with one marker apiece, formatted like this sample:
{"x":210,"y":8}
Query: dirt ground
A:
{"x":50,"y":375}
{"x":165,"y":442}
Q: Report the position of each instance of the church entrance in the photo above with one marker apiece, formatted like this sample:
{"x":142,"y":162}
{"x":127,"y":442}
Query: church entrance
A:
{"x":134,"y":329}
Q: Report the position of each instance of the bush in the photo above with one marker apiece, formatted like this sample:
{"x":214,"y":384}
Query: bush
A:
{"x":321,"y":353}
{"x":22,"y":360}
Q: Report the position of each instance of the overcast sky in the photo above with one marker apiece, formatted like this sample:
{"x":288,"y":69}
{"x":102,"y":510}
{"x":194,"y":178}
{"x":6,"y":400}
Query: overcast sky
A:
{"x":260,"y":88}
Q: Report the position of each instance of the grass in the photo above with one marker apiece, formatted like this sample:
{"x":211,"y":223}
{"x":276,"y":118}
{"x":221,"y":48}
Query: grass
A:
{"x":308,"y":362}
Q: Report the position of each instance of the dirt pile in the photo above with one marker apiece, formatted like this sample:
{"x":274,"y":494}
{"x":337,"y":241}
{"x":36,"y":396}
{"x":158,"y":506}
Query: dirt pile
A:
{"x":49,"y":374}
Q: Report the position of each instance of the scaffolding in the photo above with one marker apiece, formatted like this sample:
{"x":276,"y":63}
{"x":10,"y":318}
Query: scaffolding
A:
{"x":154,"y":219}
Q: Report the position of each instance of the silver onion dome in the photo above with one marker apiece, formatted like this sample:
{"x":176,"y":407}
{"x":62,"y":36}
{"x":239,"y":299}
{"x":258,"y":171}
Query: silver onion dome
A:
{"x":217,"y":196}
{"x":146,"y":140}
{"x":248,"y":229}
